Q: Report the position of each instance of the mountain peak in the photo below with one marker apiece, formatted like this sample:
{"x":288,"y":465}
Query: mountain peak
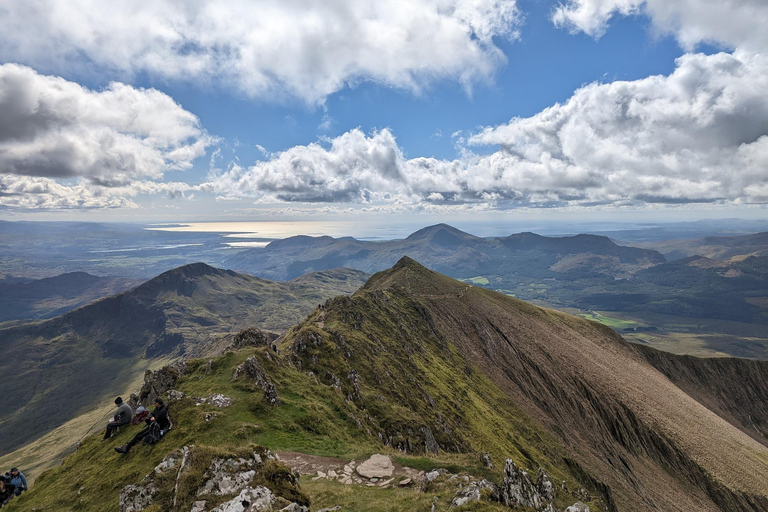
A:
{"x":440,"y":230}
{"x":414,"y":277}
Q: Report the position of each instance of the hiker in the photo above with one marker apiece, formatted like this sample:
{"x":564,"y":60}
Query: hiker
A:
{"x":122,"y":416}
{"x":158,"y":424}
{"x":14,"y":483}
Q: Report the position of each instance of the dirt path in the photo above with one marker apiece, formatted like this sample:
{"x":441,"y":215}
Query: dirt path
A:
{"x":346,"y":471}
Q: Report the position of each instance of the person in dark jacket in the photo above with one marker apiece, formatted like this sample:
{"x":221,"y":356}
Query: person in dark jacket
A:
{"x":122,"y":416}
{"x":158,"y":419}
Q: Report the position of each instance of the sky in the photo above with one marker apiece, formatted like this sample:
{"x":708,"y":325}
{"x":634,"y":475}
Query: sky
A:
{"x":179,"y":110}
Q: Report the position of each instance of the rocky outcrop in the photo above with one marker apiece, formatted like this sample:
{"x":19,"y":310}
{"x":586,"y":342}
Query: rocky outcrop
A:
{"x":158,"y":383}
{"x":229,"y":476}
{"x":256,"y":499}
{"x":230,"y":481}
{"x":253,"y":370}
{"x":253,"y":336}
{"x":135,"y":498}
{"x":517,"y":489}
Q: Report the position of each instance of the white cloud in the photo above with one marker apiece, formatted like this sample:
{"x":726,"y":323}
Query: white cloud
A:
{"x":734,"y":23}
{"x":112,"y":143}
{"x":266,"y":49}
{"x":34,"y":193}
{"x":698,"y":135}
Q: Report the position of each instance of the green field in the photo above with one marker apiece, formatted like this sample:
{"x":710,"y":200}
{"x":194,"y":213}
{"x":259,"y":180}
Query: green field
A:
{"x":616,"y":324}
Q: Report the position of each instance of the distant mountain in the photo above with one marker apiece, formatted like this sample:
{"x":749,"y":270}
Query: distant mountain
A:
{"x":715,"y":247}
{"x":584,"y":271}
{"x":449,"y":250}
{"x":24,"y":299}
{"x":54,"y":368}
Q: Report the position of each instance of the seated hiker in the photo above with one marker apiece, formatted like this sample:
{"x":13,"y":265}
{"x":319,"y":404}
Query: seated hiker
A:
{"x":122,"y":417}
{"x":15,"y":482}
{"x":158,"y":424}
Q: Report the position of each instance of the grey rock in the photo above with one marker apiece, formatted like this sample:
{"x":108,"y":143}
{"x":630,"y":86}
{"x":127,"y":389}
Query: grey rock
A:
{"x":229,"y":476}
{"x":219,"y":400}
{"x":134,"y":498}
{"x":517,"y":489}
{"x":577,"y":507}
{"x":253,"y":336}
{"x":430,"y":443}
{"x":472,"y":492}
{"x":431,"y":477}
{"x":377,"y":466}
{"x":331,"y":509}
{"x":158,"y":383}
{"x":169,"y":463}
{"x":210,"y":417}
{"x":253,"y":370}
{"x":198,"y":506}
{"x":250,"y":499}
{"x":175,"y":395}
{"x":295,"y":507}
{"x":486,"y":459}
{"x":545,"y":487}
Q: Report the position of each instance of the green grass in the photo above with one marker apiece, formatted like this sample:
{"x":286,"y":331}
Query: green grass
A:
{"x":614,"y":323}
{"x":375,"y":499}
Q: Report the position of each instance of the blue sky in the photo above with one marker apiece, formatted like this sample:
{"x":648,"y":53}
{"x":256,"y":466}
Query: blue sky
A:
{"x":434,"y":107}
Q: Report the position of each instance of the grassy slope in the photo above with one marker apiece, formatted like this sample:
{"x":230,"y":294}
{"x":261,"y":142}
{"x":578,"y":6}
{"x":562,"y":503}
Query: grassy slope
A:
{"x":313,"y":418}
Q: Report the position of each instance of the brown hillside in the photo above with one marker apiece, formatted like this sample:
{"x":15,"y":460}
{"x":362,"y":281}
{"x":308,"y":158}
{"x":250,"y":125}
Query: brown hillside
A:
{"x":626,"y":423}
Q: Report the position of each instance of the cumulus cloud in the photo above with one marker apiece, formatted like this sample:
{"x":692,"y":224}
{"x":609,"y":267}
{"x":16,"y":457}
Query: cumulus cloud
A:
{"x":268,"y":48}
{"x":734,"y":23}
{"x":50,"y":127}
{"x":65,"y":146}
{"x":698,"y":135}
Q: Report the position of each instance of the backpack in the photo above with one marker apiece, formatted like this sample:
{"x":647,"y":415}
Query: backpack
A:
{"x":141,"y":414}
{"x":155,"y":434}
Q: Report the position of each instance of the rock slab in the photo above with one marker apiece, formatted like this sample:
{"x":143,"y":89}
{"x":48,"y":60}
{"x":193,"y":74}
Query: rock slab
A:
{"x":378,"y":466}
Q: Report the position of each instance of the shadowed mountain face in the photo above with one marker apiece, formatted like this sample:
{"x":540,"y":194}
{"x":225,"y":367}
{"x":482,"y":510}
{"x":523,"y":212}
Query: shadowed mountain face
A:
{"x":418,"y":339}
{"x":585,"y":271}
{"x":53,"y":296}
{"x":52,"y":369}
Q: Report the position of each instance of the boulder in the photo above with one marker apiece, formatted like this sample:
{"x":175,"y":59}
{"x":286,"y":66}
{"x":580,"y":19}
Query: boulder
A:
{"x":377,"y":466}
